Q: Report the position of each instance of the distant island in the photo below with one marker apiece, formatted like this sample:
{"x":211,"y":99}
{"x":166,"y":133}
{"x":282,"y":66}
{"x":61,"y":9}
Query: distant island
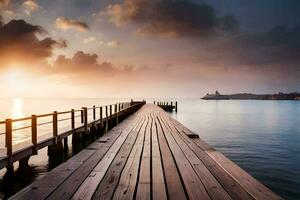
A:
{"x":249,"y":96}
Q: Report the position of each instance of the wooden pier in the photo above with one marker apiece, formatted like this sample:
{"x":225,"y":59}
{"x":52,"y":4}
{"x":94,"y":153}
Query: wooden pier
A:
{"x":148,"y":156}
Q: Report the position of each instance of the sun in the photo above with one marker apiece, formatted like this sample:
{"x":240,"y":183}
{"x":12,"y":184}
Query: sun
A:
{"x":16,"y":81}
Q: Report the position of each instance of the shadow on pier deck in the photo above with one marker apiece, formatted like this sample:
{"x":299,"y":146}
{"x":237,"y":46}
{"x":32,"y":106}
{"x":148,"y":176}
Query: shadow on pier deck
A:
{"x":147,"y":156}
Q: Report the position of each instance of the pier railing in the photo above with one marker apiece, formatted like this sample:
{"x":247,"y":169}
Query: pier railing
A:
{"x":86,"y":117}
{"x":167,"y":106}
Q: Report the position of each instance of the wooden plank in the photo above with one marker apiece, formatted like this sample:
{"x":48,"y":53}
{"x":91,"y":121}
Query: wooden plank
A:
{"x":193,"y":184}
{"x":90,"y":184}
{"x":234,"y":189}
{"x":129,"y":176}
{"x":69,"y":187}
{"x":41,"y":188}
{"x":212,"y":186}
{"x":144,"y":182}
{"x":109,"y":183}
{"x":152,"y":159}
{"x":158,"y":182}
{"x":252,"y":186}
{"x":175,"y":187}
{"x":203,"y":145}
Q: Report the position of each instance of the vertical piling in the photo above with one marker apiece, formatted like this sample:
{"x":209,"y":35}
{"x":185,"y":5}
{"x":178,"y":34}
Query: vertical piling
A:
{"x":34,"y":133}
{"x":8,"y":141}
{"x":110,"y":116}
{"x":8,"y":136}
{"x":94,"y":112}
{"x":73,"y":125}
{"x":106,"y":118}
{"x":85,"y":119}
{"x":101,"y":116}
{"x":54,"y":125}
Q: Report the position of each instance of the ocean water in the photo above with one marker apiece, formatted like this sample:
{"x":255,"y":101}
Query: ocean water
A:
{"x":262,"y":137}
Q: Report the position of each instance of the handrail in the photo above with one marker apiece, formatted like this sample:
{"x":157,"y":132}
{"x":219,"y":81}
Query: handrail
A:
{"x":21,"y":119}
{"x":58,"y":113}
{"x":107,"y":110}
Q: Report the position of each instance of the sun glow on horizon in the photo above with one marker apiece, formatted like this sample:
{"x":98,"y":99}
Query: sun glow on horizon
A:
{"x":16,"y":81}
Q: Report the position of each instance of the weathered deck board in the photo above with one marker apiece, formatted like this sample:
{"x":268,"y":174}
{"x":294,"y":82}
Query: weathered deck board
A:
{"x":129,"y":176}
{"x":212,"y":186}
{"x":193,"y":184}
{"x":148,"y":156}
{"x":175,"y":186}
{"x":70,"y":186}
{"x":144,"y":182}
{"x":234,"y":189}
{"x":42,"y":188}
{"x":89,"y":186}
{"x":254,"y":188}
{"x":158,"y":182}
{"x":107,"y":187}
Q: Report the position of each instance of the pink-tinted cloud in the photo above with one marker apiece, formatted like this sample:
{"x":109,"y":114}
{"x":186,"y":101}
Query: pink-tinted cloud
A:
{"x":66,"y":24}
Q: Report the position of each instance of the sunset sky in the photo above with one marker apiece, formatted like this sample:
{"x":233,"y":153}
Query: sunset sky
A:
{"x":148,"y":48}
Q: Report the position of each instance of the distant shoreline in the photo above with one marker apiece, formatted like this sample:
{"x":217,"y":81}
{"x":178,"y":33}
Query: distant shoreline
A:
{"x":250,"y":96}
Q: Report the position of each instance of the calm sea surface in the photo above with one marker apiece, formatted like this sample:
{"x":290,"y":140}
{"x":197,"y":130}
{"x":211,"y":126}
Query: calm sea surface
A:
{"x":263,"y":137}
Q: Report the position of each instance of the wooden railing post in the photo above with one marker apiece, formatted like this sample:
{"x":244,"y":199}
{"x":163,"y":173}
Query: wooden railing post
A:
{"x":119,"y":107}
{"x":94,"y":112}
{"x":55,"y":127}
{"x":116,"y":113}
{"x":8,"y":136}
{"x":34,"y":133}
{"x":101,"y":116}
{"x":176,"y":106}
{"x":106,"y":118}
{"x":106,"y":112}
{"x":72,"y":119}
{"x":82,"y":116}
{"x":110,"y":111}
{"x":85,"y":118}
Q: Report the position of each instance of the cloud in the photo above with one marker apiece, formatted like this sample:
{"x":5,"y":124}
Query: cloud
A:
{"x":113,"y":43}
{"x":9,"y":14}
{"x":30,"y":6}
{"x":4,"y":3}
{"x":281,"y":44}
{"x":81,"y":64}
{"x":66,"y":24}
{"x":19,"y":42}
{"x":89,"y":39}
{"x":170,"y":18}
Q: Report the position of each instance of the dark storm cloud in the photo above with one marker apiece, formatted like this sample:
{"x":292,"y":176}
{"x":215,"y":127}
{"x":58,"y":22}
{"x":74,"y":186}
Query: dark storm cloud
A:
{"x":279,"y":45}
{"x":18,"y":40}
{"x":81,"y":63}
{"x":170,"y":17}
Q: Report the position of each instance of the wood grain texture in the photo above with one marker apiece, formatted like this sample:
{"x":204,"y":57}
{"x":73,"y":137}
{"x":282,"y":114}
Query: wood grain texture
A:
{"x":148,"y":156}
